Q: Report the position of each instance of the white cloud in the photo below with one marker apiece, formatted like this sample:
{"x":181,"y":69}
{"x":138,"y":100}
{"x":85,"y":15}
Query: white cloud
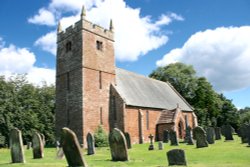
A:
{"x":47,"y":42}
{"x":44,"y":17}
{"x":14,"y":60}
{"x":134,"y":35}
{"x":222,"y":55}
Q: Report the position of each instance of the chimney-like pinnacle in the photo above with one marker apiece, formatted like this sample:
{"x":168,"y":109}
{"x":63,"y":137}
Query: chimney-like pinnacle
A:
{"x":83,"y":13}
{"x":59,"y":27}
{"x":111,"y":27}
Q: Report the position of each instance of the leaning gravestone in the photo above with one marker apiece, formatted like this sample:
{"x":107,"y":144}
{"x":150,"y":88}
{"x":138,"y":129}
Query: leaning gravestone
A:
{"x":228,"y":132}
{"x":37,"y":145}
{"x":91,"y":144}
{"x":173,"y":138}
{"x":210,"y":135}
{"x":176,"y":157}
{"x":128,"y":140}
{"x":217,"y":131}
{"x":189,"y":136}
{"x":16,"y":146}
{"x":160,"y":145}
{"x":118,"y":145}
{"x":165,"y":136}
{"x":71,"y":148}
{"x":200,"y":137}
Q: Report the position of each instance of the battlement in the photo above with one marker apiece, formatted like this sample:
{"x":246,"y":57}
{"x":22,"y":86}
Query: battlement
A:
{"x":85,"y":25}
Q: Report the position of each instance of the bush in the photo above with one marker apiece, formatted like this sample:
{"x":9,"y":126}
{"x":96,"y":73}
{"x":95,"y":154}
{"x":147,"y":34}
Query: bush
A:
{"x":101,"y":137}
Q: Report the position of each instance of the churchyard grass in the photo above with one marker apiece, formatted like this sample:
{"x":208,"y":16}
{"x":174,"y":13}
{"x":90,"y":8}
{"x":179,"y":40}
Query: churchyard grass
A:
{"x":220,"y":154}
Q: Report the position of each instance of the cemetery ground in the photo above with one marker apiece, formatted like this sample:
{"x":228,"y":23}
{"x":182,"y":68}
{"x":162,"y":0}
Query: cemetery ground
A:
{"x":220,"y":154}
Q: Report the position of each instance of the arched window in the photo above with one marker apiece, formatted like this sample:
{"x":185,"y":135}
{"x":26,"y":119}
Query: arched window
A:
{"x":68,"y":46}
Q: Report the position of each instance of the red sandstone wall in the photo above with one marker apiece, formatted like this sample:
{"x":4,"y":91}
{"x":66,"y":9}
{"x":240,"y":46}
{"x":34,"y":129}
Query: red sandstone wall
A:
{"x":132,"y":122}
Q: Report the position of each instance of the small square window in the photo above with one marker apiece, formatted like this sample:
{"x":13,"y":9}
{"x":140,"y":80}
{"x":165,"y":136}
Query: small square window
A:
{"x":99,"y":45}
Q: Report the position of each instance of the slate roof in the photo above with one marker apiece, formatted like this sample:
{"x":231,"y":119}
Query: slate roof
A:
{"x":138,"y":90}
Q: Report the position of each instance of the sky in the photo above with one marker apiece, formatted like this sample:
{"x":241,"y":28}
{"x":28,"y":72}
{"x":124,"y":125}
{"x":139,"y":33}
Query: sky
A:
{"x":211,"y":35}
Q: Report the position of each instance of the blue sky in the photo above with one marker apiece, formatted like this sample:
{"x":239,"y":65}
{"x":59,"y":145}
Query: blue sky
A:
{"x":211,"y":35}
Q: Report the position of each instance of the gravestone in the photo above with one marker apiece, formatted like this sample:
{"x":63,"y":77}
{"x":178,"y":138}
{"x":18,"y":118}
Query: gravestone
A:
{"x":217,"y":131}
{"x":200,"y":137}
{"x":248,"y":134}
{"x":151,"y":146}
{"x":165,"y":136}
{"x":43,"y":139}
{"x":128,"y":140}
{"x":176,"y":157}
{"x":160,"y":145}
{"x":60,"y":153}
{"x":16,"y":146}
{"x":228,"y":132}
{"x":189,"y":136}
{"x":29,"y":145}
{"x":243,"y":133}
{"x":223,"y":130}
{"x":37,"y":145}
{"x":118,"y":145}
{"x":91,"y":144}
{"x":210,"y":135}
{"x":71,"y":148}
{"x":173,"y":138}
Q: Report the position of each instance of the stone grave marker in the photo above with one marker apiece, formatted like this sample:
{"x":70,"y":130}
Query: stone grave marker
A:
{"x":118,"y":145}
{"x":165,"y":136}
{"x":160,"y":145}
{"x":217,"y":131}
{"x":243,"y":133}
{"x":200,"y":137}
{"x":189,"y":136}
{"x":176,"y":157}
{"x":210,"y":135}
{"x":228,"y":132}
{"x":37,"y":145}
{"x":173,"y":138}
{"x":248,"y":134}
{"x":128,"y":140}
{"x":71,"y":148}
{"x":91,"y":144}
{"x":29,"y":145}
{"x":151,"y":146}
{"x":16,"y":146}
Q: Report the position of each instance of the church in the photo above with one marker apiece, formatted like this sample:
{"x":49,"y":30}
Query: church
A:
{"x":92,"y":91}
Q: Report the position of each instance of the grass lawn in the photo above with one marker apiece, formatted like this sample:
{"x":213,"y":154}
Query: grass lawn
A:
{"x":220,"y":154}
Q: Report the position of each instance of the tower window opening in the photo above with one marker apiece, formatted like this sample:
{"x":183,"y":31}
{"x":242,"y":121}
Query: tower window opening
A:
{"x":99,"y":45}
{"x":68,"y":46}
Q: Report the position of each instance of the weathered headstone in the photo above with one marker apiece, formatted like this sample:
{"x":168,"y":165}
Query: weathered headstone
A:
{"x":200,"y":137}
{"x":91,"y":144}
{"x":71,"y":148}
{"x":118,"y":145}
{"x":173,"y":138}
{"x":217,"y":131}
{"x":29,"y":145}
{"x":128,"y":140}
{"x":37,"y":145}
{"x":160,"y":145}
{"x":228,"y":132}
{"x":210,"y":135}
{"x":60,"y":153}
{"x":151,"y":146}
{"x":165,"y":136}
{"x":176,"y":157}
{"x":189,"y":136}
{"x":248,"y":135}
{"x":16,"y":146}
{"x":243,"y":133}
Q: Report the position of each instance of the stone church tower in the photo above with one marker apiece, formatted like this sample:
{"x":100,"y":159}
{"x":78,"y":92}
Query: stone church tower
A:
{"x":84,"y":72}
